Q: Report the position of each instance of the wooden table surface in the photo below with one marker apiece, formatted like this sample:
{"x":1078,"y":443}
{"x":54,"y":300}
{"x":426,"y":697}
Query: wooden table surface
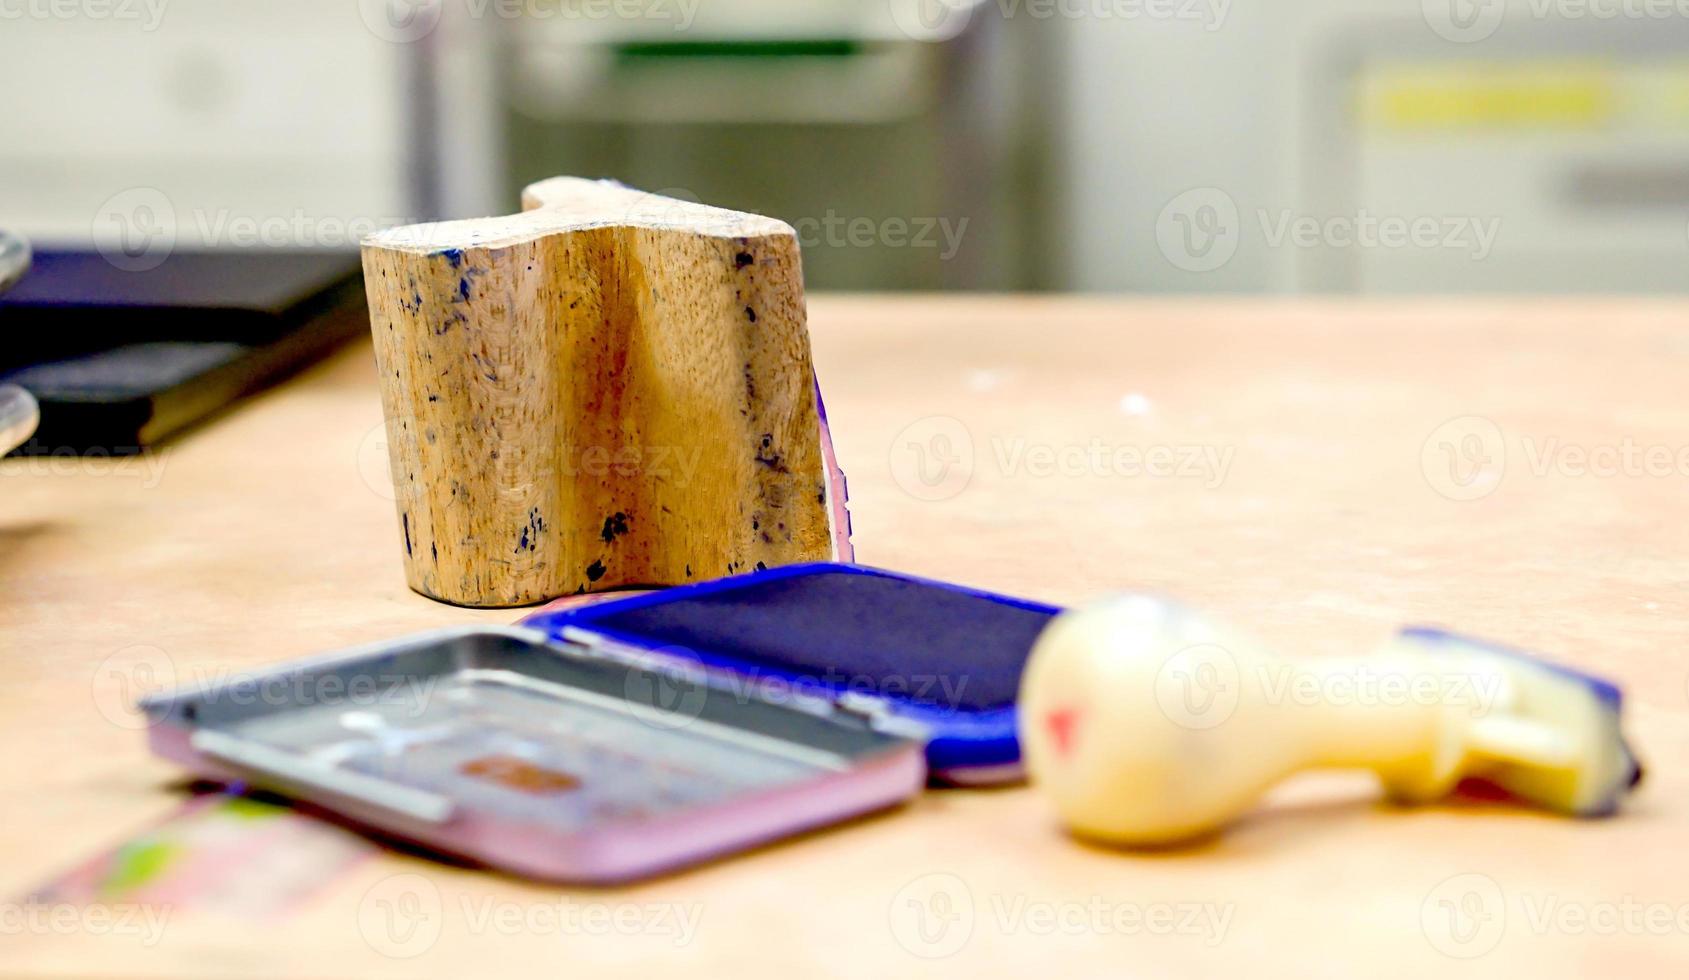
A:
{"x":1317,"y":472}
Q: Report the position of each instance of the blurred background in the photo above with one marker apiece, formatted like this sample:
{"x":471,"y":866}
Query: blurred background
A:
{"x":1207,"y":146}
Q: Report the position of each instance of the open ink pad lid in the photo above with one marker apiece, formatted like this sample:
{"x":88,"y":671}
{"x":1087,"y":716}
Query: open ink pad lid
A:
{"x":538,"y":757}
{"x":913,"y":655}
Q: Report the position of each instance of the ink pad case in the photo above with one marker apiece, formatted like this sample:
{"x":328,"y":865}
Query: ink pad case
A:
{"x":912,"y":655}
{"x":548,"y":759}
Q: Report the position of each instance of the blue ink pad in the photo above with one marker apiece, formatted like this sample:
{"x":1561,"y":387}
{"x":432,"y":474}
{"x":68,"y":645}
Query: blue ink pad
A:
{"x":916,"y":653}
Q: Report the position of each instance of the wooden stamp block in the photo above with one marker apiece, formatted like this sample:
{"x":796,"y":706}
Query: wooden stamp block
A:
{"x":609,"y":389}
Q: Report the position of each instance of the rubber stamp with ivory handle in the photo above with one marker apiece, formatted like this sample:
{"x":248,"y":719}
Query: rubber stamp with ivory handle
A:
{"x":611,"y":388}
{"x":1147,"y":724}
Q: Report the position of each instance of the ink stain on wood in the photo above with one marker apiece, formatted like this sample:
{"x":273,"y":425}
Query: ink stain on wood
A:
{"x":614,"y":526}
{"x":530,"y":535}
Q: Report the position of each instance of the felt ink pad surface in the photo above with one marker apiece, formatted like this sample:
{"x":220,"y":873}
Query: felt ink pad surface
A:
{"x":940,"y":657}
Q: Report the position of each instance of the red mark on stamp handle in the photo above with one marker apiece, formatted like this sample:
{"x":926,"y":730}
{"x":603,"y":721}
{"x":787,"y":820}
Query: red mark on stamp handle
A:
{"x":1061,"y":723}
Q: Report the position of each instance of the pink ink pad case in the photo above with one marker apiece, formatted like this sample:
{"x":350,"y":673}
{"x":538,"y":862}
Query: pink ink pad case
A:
{"x":535,"y":755}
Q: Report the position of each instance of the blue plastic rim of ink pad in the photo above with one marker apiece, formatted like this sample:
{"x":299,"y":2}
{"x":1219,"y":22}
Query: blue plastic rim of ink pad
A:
{"x":944,"y":657}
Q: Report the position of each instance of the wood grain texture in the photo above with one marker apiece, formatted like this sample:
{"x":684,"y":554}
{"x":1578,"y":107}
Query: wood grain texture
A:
{"x":268,"y":535}
{"x":609,"y":389}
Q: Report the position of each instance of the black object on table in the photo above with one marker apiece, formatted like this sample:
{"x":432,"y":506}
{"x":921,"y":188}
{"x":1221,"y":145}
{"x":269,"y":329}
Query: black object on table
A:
{"x":122,"y":360}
